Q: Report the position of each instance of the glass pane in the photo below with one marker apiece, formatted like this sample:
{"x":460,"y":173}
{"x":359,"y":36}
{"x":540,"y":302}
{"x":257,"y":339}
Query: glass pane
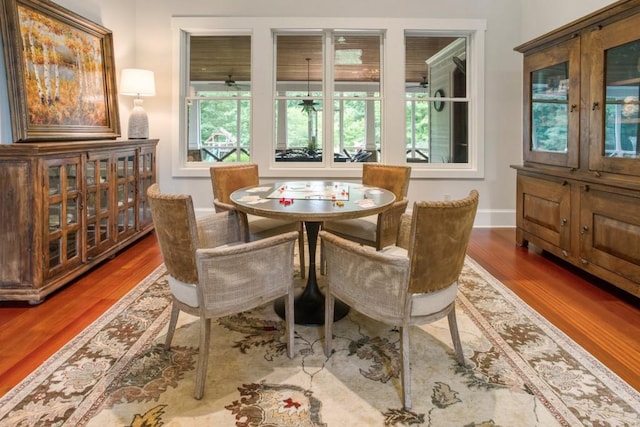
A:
{"x":104,"y":170}
{"x":130,"y":218}
{"x":72,"y":245}
{"x":104,"y":199}
{"x":55,"y":216}
{"x":132,"y":192}
{"x":104,"y":229}
{"x":622,"y":118}
{"x":550,"y":108}
{"x":72,"y":177}
{"x":72,"y":211}
{"x":122,"y":167}
{"x":436,"y":130}
{"x":219,"y":102}
{"x":91,"y":204}
{"x":121,"y":195}
{"x":448,"y":140}
{"x":54,"y":180}
{"x":91,"y":173}
{"x":417,"y":125}
{"x":224,"y":131}
{"x":357,"y":130}
{"x":130,"y":165}
{"x":299,"y":85}
{"x":91,"y":235}
{"x":55,"y":246}
{"x":303,"y":132}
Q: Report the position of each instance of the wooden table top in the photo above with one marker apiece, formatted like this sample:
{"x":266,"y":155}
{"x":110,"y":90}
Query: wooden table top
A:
{"x":311,"y":200}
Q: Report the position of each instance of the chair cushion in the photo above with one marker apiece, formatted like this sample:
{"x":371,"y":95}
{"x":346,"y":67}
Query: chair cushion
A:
{"x":186,"y":293}
{"x":395,"y":251}
{"x":260,"y":227}
{"x":433,"y":302}
{"x":362,"y":228}
{"x":430,"y":302}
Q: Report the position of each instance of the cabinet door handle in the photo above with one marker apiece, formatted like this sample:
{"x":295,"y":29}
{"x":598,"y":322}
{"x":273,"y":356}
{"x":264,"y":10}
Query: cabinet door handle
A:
{"x":584,"y":230}
{"x":584,"y":261}
{"x":573,"y":108}
{"x":563,"y":221}
{"x":595,"y":106}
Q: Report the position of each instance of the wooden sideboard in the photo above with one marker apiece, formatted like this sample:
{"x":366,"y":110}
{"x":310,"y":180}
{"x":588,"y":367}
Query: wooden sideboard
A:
{"x":66,"y":206}
{"x":578,"y":189}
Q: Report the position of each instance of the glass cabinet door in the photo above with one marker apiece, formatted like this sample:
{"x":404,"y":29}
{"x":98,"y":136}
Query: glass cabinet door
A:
{"x":62,"y":207}
{"x":125,"y":193}
{"x":98,"y":209}
{"x":146,"y":177}
{"x":615,"y":98}
{"x":552,"y":97}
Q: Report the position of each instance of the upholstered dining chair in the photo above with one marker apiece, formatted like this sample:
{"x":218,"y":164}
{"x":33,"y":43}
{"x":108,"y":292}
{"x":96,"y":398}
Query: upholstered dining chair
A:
{"x":229,"y":178}
{"x":412,"y":283}
{"x":378,"y":230}
{"x":212,"y":272}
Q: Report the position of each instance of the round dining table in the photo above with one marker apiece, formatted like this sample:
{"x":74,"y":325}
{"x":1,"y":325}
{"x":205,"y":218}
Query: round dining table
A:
{"x":312,"y":202}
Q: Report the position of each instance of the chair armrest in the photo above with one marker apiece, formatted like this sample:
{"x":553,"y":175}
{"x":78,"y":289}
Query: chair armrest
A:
{"x":242,"y":217}
{"x":363,"y":278}
{"x":389,"y":222}
{"x":246,"y":274}
{"x":222,"y":207}
{"x":404,"y":232}
{"x":219,"y":229}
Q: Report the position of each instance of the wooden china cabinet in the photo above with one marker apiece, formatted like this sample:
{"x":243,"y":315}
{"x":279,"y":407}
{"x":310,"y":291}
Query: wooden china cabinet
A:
{"x":66,"y":206}
{"x":578,"y":189}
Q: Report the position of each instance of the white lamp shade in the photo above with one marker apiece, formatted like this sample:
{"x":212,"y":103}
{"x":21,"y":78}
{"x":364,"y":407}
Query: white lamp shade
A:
{"x":137,"y":82}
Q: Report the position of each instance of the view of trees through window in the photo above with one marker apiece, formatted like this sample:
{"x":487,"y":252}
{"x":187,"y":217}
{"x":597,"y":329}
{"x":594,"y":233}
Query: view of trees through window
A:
{"x":219,"y":99}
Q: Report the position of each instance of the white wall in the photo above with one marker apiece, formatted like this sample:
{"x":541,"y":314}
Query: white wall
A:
{"x":142,"y":38}
{"x":542,"y":16}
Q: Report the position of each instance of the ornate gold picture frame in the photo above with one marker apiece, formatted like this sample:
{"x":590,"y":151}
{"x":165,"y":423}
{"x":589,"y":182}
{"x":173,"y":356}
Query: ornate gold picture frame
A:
{"x":60,"y":73}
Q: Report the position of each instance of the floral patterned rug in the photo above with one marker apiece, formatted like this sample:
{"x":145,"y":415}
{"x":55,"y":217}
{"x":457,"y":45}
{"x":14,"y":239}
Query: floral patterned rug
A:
{"x":520,"y":371}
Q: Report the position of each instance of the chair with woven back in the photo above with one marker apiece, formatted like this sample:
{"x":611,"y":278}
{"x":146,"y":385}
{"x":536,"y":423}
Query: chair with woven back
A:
{"x":225,"y":180}
{"x":213,"y":272}
{"x":378,"y":230}
{"x":412,"y":283}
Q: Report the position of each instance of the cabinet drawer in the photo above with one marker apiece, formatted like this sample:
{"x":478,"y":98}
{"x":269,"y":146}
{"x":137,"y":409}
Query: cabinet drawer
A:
{"x":609,"y":232}
{"x":544,"y":209}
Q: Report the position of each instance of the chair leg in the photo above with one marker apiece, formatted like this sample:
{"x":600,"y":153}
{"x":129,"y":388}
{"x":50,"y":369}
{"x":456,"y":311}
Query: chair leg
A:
{"x":203,"y":357}
{"x":455,"y":336}
{"x":289,"y":315}
{"x":173,"y":321}
{"x":303,"y":269}
{"x":329,"y":303}
{"x":405,"y":367}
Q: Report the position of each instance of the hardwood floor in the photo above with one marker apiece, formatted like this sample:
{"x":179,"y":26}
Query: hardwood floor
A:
{"x":602,"y":319}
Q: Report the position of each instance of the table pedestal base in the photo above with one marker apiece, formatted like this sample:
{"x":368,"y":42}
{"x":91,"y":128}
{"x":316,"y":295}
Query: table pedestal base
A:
{"x":310,"y":313}
{"x":309,"y":305}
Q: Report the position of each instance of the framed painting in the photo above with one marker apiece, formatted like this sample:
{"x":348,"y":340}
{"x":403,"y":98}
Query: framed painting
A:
{"x":60,"y":73}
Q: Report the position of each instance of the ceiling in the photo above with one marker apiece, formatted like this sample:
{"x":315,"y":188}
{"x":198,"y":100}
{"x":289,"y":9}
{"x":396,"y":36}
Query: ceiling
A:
{"x":220,"y":58}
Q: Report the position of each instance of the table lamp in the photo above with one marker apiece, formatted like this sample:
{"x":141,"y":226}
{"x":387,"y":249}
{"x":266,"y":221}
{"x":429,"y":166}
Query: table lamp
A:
{"x":137,"y":82}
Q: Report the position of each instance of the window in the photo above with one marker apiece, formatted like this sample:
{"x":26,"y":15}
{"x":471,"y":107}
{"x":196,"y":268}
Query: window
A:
{"x":352,"y":59}
{"x":218,"y":104}
{"x":436,"y":99}
{"x":317,"y":94}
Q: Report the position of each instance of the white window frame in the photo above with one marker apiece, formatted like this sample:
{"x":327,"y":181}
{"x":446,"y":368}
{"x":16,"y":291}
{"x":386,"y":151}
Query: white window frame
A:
{"x":393,"y":90}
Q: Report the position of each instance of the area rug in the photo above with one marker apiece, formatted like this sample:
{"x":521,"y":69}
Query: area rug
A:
{"x":520,"y":371}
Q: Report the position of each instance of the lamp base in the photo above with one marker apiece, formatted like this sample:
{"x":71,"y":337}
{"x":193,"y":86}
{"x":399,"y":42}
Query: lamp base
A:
{"x":138,"y":122}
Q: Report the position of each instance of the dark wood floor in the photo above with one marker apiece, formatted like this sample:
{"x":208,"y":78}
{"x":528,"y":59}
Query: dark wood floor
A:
{"x":603,"y":320}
